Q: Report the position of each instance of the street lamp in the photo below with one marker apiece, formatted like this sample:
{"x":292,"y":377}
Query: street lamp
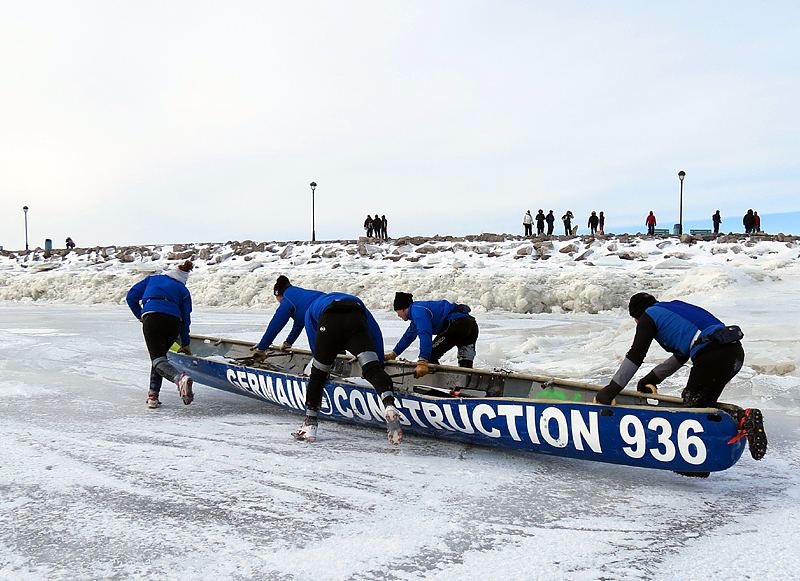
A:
{"x":25,"y":209}
{"x":313,"y":231}
{"x":681,"y":175}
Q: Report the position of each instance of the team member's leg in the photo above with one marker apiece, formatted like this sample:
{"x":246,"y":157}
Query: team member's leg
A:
{"x":358,"y":341}
{"x":461,"y":333}
{"x":160,"y":332}
{"x":712,"y":369}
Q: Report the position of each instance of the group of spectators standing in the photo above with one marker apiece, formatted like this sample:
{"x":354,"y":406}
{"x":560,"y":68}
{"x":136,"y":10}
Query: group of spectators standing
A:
{"x":751,"y":221}
{"x":596,"y":223}
{"x":376,"y":227}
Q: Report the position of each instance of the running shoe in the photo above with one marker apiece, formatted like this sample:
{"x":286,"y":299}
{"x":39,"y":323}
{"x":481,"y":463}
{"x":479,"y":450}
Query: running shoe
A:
{"x":393,"y":429}
{"x":185,"y":388}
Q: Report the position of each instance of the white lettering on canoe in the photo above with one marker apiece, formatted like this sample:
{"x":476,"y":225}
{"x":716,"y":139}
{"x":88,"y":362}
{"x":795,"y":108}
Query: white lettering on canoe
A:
{"x":685,"y":442}
{"x":530,"y":421}
{"x":413,"y":407}
{"x":433,"y":413}
{"x":511,"y":413}
{"x":691,"y":448}
{"x":481,"y":410}
{"x":556,"y":414}
{"x":581,"y":433}
{"x":359,"y":405}
{"x":462,"y":410}
{"x":339,"y":399}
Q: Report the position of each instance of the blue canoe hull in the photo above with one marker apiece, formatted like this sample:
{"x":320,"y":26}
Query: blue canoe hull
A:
{"x":664,"y":438}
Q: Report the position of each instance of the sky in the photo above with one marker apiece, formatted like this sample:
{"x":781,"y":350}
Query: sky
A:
{"x":161,"y":122}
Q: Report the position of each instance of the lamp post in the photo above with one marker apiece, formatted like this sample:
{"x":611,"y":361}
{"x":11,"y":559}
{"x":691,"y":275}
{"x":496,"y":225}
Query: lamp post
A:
{"x":313,"y":229}
{"x":681,"y":175}
{"x":25,"y":209}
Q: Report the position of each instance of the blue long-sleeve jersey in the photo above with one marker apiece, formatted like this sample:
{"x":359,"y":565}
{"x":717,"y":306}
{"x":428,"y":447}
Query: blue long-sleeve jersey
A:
{"x":294,"y":305}
{"x":162,"y":294}
{"x":320,"y":304}
{"x":427,"y":318}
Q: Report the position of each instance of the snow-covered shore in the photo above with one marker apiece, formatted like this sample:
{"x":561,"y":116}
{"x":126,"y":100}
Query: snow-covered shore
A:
{"x":489,"y":272}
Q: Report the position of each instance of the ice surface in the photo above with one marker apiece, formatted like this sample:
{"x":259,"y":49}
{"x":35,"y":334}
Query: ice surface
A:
{"x":97,"y":486}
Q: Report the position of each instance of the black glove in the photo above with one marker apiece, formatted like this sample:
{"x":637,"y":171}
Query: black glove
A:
{"x":649,"y":379}
{"x":606,"y":395}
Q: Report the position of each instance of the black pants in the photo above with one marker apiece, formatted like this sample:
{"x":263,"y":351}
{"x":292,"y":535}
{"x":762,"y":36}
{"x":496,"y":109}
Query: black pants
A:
{"x":343,"y":326}
{"x":462,"y":333}
{"x":528,"y":229}
{"x":713,"y":367}
{"x":160,"y":332}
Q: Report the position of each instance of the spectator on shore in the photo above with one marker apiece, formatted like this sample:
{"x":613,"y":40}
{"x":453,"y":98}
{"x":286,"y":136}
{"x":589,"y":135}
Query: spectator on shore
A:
{"x":594,"y":222}
{"x":567,"y":219}
{"x":602,"y":223}
{"x":749,"y":222}
{"x":551,"y":220}
{"x":377,"y":227}
{"x":540,"y":219}
{"x":651,"y":224}
{"x":384,"y":224}
{"x":70,"y":244}
{"x":758,"y":221}
{"x":717,"y":220}
{"x":527,"y":222}
{"x":368,"y":226}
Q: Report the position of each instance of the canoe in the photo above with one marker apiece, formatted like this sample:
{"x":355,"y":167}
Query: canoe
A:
{"x":494,"y":408}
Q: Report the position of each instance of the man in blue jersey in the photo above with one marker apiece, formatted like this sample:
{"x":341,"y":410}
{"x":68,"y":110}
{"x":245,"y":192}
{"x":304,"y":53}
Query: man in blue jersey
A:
{"x":688,"y":332}
{"x":450,"y":322}
{"x":163,"y":304}
{"x":333,"y":322}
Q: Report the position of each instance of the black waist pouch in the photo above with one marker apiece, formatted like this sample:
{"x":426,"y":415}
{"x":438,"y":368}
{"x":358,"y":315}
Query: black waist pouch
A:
{"x":725,"y":335}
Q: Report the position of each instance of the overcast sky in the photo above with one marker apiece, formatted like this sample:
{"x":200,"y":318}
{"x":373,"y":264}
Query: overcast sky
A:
{"x":153,"y":122}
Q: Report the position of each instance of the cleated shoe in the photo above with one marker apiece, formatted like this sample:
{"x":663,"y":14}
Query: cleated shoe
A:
{"x":753,"y":426}
{"x":185,"y":388}
{"x":152,"y":400}
{"x":393,"y":429}
{"x":307,"y":432}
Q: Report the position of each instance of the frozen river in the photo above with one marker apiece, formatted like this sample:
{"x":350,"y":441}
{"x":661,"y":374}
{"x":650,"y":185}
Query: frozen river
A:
{"x":96,"y":486}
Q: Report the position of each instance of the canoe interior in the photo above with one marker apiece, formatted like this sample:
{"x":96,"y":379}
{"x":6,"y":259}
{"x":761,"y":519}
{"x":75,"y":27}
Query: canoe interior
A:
{"x":443,"y":381}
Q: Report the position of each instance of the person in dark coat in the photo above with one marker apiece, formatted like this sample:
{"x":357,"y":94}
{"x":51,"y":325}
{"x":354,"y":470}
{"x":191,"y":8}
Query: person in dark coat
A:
{"x":749,"y":222}
{"x":717,"y":220}
{"x":69,"y":243}
{"x":451,"y":323}
{"x":594,"y":221}
{"x":687,"y":332}
{"x":163,"y":304}
{"x":384,"y":225}
{"x":567,"y":219}
{"x":602,"y":223}
{"x":540,"y":219}
{"x":377,"y":227}
{"x":551,"y":220}
{"x":368,"y":226}
{"x":757,"y":218}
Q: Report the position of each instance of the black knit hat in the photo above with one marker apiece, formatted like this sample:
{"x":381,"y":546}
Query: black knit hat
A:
{"x":639,"y":303}
{"x":402,"y":301}
{"x":281,"y":285}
